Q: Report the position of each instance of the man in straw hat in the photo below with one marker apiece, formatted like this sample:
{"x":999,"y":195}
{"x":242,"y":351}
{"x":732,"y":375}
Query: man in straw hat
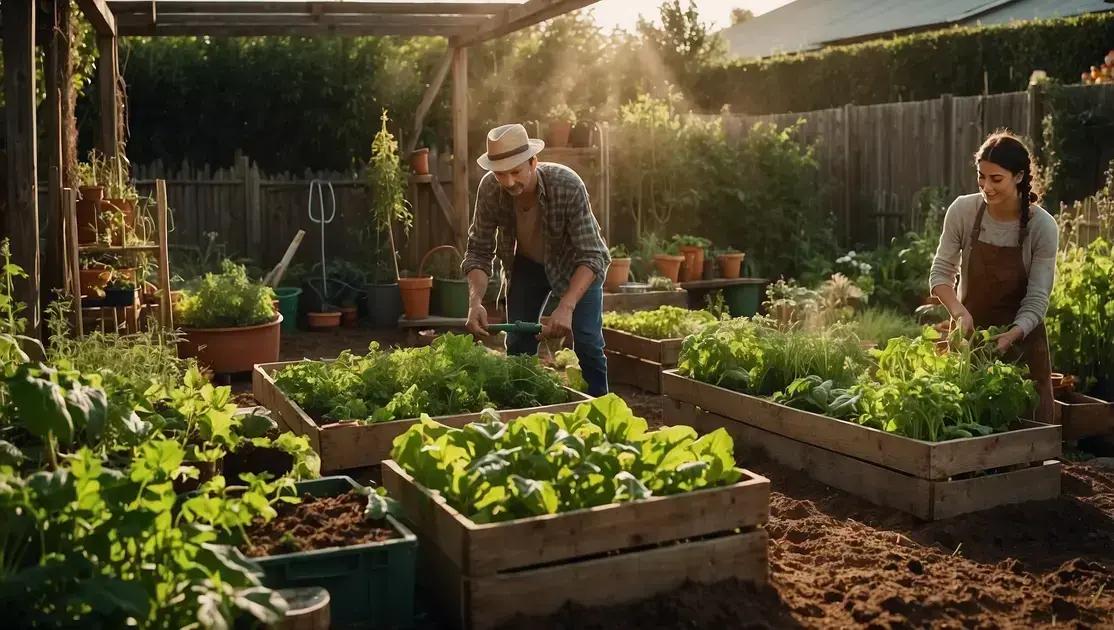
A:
{"x":536,"y":217}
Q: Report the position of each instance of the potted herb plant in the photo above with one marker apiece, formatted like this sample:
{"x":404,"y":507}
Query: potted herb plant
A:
{"x":229,"y":322}
{"x":92,"y":193}
{"x":118,"y":210}
{"x":692,"y":248}
{"x":730,"y":261}
{"x":619,"y":270}
{"x":94,"y":275}
{"x":561,"y":119}
{"x":667,"y":262}
{"x":388,"y":205}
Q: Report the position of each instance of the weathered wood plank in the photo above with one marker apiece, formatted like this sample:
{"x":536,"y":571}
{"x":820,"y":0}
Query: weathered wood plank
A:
{"x":644,"y":301}
{"x":461,"y":157}
{"x":1084,"y":416}
{"x":628,"y":370}
{"x":662,"y":351}
{"x":962,"y":496}
{"x":495,"y":599}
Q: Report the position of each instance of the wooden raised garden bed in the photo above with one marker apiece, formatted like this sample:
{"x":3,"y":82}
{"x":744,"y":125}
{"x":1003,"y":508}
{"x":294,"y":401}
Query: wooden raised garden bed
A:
{"x":345,"y":445}
{"x":483,"y":575}
{"x":638,"y":361}
{"x":644,"y":301}
{"x":930,"y":480}
{"x":1084,"y":416}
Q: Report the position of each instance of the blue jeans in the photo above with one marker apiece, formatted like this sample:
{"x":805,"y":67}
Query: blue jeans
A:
{"x":526,"y":298}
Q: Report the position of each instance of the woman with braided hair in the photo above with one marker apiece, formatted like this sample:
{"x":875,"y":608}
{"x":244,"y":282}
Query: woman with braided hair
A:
{"x":1003,"y":248}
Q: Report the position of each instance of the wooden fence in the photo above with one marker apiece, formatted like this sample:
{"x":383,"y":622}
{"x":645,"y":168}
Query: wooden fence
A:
{"x":875,"y":158}
{"x":255,"y":216}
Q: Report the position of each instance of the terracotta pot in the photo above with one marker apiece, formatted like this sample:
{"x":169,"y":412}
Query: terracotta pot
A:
{"x":730,"y":264}
{"x":668,"y":266}
{"x":228,"y":350}
{"x":349,"y":317}
{"x":617,"y":274}
{"x":419,"y":161}
{"x":323,"y":320}
{"x":88,"y":207}
{"x":93,"y":279}
{"x":558,"y":135}
{"x":694,"y":262}
{"x":415,"y":296}
{"x":127,"y":206}
{"x":1062,"y":383}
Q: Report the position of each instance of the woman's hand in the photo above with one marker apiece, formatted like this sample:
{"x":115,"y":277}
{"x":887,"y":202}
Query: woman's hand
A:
{"x":1006,"y":340}
{"x":965,"y":322}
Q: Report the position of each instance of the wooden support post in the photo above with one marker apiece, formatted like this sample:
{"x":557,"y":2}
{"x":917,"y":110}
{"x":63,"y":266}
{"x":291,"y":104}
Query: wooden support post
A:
{"x":69,"y":210}
{"x":166,"y":312}
{"x":21,"y":223}
{"x":947,"y":107}
{"x":427,"y":102}
{"x":461,"y":157}
{"x":108,"y":86}
{"x":847,"y":171}
{"x":54,"y":69}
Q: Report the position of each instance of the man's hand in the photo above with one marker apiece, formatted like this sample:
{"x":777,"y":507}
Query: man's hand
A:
{"x":965,"y":322}
{"x":1006,"y":340}
{"x":477,"y":320}
{"x":560,"y":323}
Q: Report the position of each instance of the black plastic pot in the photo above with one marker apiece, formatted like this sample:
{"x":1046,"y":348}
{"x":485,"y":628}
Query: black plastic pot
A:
{"x":384,"y":304}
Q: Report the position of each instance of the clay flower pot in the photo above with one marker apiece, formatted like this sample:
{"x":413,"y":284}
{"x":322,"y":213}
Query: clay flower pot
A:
{"x":419,"y":161}
{"x":415,"y":296}
{"x":348,"y":316}
{"x":88,"y":209}
{"x":730,"y":264}
{"x":668,"y":266}
{"x":229,"y":350}
{"x":694,"y":262}
{"x":93,"y":281}
{"x":127,"y":206}
{"x":323,"y":320}
{"x":558,"y":135}
{"x":617,"y":274}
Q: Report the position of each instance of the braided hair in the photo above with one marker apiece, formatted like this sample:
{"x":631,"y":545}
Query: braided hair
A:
{"x":1009,"y":151}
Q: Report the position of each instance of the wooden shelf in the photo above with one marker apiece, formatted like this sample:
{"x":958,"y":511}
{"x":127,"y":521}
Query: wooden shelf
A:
{"x":720,"y":283}
{"x":421,"y":179}
{"x":117,"y":249}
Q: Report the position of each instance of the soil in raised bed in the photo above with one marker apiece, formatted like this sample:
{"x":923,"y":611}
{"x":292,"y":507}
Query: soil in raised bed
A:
{"x":837,"y":561}
{"x":316,"y":523}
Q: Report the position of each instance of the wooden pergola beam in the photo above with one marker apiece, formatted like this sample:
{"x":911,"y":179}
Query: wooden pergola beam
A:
{"x":20,"y":222}
{"x":521,"y":16}
{"x":99,"y":15}
{"x":108,"y":85}
{"x":235,"y":29}
{"x":166,"y":7}
{"x":255,"y":24}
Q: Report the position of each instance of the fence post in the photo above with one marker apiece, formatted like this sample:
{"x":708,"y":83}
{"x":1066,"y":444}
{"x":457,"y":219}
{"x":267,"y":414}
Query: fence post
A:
{"x":847,"y":175}
{"x":252,"y":211}
{"x":1034,"y":101}
{"x":948,"y":117}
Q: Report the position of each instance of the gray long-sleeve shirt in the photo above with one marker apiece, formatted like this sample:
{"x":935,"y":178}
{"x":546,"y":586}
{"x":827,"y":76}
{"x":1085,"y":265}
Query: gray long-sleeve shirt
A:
{"x":1038,"y":252}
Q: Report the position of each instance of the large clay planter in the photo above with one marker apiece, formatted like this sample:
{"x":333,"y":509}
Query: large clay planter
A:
{"x":419,"y":161}
{"x":93,"y":281}
{"x":88,"y":207}
{"x":617,"y":274}
{"x":415,"y":296}
{"x":730,"y":264}
{"x":668,"y":266}
{"x":694,"y":262}
{"x":558,"y":135}
{"x":349,"y":316}
{"x":229,"y":350}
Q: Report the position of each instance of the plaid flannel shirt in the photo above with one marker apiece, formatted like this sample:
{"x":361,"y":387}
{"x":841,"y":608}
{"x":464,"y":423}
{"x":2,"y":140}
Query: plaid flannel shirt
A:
{"x":571,"y":234}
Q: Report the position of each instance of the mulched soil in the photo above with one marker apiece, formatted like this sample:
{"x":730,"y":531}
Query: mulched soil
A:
{"x":316,"y":523}
{"x":839,"y":562}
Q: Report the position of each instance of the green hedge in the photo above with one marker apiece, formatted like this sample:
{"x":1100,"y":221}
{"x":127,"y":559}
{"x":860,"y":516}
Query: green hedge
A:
{"x":913,"y":67}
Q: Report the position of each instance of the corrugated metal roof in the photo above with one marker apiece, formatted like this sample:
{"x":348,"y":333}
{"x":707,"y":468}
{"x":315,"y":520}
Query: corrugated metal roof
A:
{"x":810,"y":24}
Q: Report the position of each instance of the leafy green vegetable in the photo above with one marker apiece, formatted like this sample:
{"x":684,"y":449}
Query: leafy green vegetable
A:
{"x":600,"y":453}
{"x":226,"y":300}
{"x":1081,"y":314}
{"x":453,"y":375}
{"x":665,"y":322}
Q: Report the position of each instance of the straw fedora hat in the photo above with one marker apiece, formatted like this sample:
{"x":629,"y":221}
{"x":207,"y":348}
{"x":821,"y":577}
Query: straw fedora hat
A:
{"x":507,"y":147}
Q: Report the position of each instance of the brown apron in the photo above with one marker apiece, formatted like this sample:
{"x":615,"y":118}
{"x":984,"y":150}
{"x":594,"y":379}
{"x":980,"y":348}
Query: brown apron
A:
{"x":996,"y":284}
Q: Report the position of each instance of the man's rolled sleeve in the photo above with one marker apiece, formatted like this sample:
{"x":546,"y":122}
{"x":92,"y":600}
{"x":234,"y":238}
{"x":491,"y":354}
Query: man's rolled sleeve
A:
{"x":481,"y":235}
{"x":584,"y":232}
